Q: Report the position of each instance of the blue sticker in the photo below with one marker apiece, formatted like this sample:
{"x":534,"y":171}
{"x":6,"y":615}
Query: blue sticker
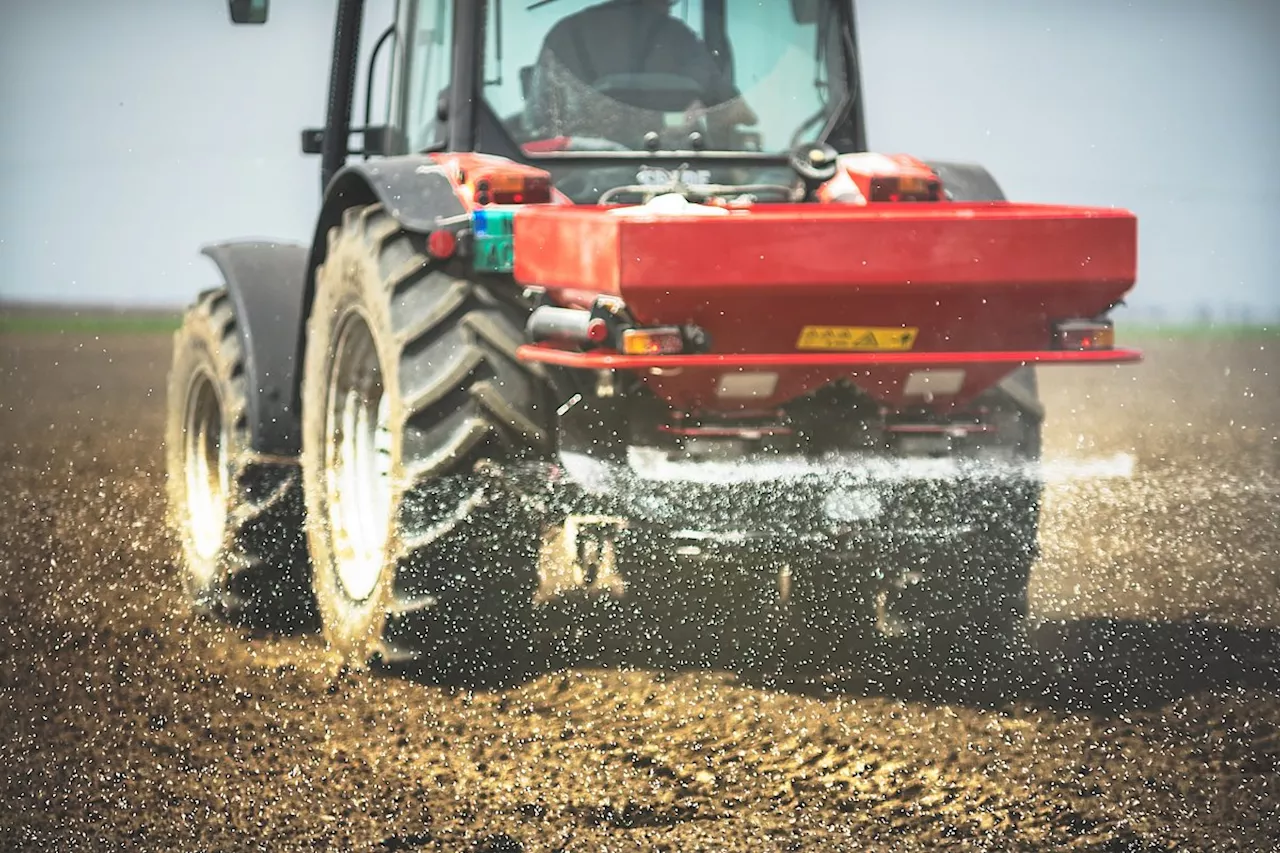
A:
{"x":492,"y":222}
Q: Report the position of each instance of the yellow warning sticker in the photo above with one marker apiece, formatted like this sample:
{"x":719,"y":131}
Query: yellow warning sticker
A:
{"x":857,"y":338}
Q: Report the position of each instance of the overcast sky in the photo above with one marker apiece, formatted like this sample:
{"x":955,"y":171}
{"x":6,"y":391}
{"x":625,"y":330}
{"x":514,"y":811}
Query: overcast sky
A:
{"x":134,"y":132}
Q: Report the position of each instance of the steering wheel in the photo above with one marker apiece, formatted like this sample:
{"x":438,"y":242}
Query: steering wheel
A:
{"x":658,"y":92}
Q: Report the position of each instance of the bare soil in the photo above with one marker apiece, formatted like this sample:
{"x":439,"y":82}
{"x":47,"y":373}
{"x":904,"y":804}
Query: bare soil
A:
{"x":1146,"y":718}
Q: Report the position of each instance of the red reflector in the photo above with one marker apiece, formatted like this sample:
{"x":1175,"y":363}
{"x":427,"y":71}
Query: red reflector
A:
{"x":442,"y":244}
{"x":597,"y":330}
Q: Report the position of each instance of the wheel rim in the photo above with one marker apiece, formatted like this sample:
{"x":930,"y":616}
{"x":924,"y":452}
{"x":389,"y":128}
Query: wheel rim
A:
{"x":358,"y":459}
{"x":205,"y":467}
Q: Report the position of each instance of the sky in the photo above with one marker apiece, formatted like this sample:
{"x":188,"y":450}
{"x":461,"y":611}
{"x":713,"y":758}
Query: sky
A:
{"x":135,"y":132}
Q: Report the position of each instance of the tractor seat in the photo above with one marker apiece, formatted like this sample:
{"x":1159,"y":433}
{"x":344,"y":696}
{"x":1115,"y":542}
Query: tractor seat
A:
{"x":612,"y":69}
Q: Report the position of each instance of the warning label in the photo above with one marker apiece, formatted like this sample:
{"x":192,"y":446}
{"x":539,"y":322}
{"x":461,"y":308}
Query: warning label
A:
{"x":857,"y":338}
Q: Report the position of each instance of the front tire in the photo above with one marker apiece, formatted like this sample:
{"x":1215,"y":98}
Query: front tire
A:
{"x":411,"y":395}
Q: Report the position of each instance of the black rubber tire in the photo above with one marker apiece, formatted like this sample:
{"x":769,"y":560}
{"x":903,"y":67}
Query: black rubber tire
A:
{"x":977,"y":592}
{"x":258,"y":573}
{"x":459,"y":406}
{"x":1001,"y":572}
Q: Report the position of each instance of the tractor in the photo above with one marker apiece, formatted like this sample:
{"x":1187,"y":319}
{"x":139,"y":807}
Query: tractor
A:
{"x":619,"y":286}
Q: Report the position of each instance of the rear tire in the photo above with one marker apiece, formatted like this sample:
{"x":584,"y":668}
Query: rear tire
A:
{"x":412,"y":397}
{"x":999,"y":575}
{"x":237,"y":518}
{"x":977,"y":592}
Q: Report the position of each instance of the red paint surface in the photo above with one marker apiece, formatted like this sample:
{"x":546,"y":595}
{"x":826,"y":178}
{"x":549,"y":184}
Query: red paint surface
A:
{"x":992,"y":244}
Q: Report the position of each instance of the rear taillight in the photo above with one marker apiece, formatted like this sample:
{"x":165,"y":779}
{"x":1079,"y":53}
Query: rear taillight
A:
{"x":1080,"y":335}
{"x":660,"y":340}
{"x":905,"y":188}
{"x":514,"y":188}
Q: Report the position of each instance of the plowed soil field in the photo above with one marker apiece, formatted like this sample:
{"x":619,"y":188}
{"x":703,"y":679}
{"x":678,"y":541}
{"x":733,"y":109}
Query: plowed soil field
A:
{"x":1147,"y":716}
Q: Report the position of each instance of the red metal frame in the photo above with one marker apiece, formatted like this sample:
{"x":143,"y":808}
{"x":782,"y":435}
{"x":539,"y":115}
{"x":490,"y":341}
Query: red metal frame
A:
{"x":616,"y":361}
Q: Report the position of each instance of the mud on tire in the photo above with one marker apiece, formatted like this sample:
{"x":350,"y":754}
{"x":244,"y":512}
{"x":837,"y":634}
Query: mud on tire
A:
{"x":411,"y":394}
{"x":237,"y":518}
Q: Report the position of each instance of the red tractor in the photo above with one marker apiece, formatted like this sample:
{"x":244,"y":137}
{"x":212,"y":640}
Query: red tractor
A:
{"x":623,"y":275}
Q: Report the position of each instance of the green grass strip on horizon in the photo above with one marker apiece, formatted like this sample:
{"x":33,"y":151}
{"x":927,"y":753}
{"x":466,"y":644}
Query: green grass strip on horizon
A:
{"x":1197,"y":330}
{"x":94,"y":323}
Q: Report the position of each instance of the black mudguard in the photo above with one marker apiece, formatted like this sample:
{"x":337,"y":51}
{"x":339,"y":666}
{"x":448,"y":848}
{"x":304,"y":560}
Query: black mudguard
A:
{"x":971,"y":182}
{"x":265,"y":282}
{"x":272,"y":283}
{"x":414,"y":189}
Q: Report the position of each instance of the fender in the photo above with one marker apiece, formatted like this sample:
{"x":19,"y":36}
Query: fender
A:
{"x":265,"y":283}
{"x":414,"y":189}
{"x":271,"y":284}
{"x":971,"y":182}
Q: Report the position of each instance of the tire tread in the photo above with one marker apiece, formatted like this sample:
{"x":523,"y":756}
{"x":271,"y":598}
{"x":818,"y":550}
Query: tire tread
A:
{"x":259,"y":575}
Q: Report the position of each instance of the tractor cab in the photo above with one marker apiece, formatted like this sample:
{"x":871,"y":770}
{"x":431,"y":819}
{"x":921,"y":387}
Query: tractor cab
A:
{"x":603,"y":94}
